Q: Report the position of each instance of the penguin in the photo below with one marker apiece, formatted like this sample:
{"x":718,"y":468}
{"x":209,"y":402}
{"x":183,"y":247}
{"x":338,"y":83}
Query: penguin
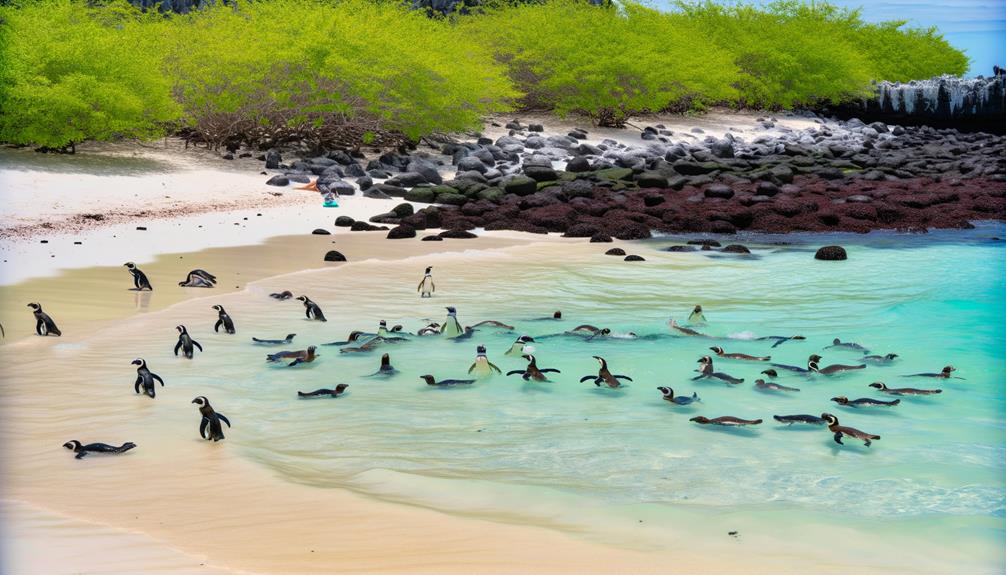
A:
{"x":493,"y":323}
{"x":669,"y":396}
{"x":944,"y":374}
{"x":384,"y":333}
{"x":339,"y":390}
{"x":211,"y":419}
{"x":224,"y":320}
{"x":199,"y":279}
{"x":840,"y":430}
{"x":431,"y":329}
{"x":696,"y":316}
{"x":837,"y":343}
{"x":311,"y":309}
{"x":82,"y":450}
{"x":707,"y":372}
{"x":779,"y":340}
{"x":770,"y":373}
{"x":725,"y":420}
{"x":587,"y":329}
{"x":812,"y":365}
{"x":385,"y":370}
{"x":140,"y":281}
{"x":353,"y":337}
{"x":517,"y":348}
{"x":289,"y":338}
{"x":382,"y":329}
{"x":800,"y":418}
{"x":426,"y":286}
{"x":864,"y":402}
{"x":720,"y":353}
{"x":888,"y":358}
{"x":282,"y":296}
{"x":482,"y":366}
{"x":145,"y":378}
{"x":466,"y":334}
{"x":605,"y":376}
{"x":186,"y":343}
{"x":3,"y":334}
{"x":397,"y":328}
{"x":767,"y":386}
{"x":300,"y":356}
{"x":684,"y":330}
{"x":43,"y":323}
{"x":451,"y":327}
{"x":532,"y":371}
{"x":430,"y":380}
{"x":903,"y":390}
{"x":557,"y":315}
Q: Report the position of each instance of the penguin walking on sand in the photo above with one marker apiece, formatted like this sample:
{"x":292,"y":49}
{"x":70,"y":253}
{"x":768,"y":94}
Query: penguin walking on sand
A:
{"x":211,"y":420}
{"x":140,"y":281}
{"x":311,"y":309}
{"x":224,"y":320}
{"x":43,"y":323}
{"x":186,"y":343}
{"x":426,"y":286}
{"x":145,"y":378}
{"x":451,"y":327}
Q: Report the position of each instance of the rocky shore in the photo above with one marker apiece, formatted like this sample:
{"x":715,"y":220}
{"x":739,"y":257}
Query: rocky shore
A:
{"x":830,"y":176}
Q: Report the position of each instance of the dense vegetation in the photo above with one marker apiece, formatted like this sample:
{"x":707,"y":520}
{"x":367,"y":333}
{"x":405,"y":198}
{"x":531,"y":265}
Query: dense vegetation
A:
{"x":344,"y":72}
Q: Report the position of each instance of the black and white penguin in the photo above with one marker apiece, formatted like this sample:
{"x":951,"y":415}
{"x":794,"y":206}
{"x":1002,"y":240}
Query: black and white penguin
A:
{"x":903,"y":390}
{"x":668,"y":395}
{"x":426,"y":286}
{"x":282,"y":296}
{"x":946,"y":373}
{"x":199,"y":279}
{"x":311,"y":309}
{"x":840,"y":430}
{"x":430,"y":380}
{"x":769,"y":386}
{"x":880,"y":359}
{"x":140,"y":281}
{"x":779,"y":339}
{"x":300,"y":356}
{"x":706,"y":371}
{"x":386,"y":370}
{"x":82,"y":450}
{"x":725,"y":420}
{"x":696,"y":316}
{"x":812,"y":365}
{"x":493,"y":323}
{"x":223,"y":320}
{"x":431,"y":329}
{"x":532,"y":371}
{"x":482,"y":367}
{"x":864,"y":402}
{"x":517,"y":347}
{"x":43,"y":323}
{"x":354,"y":336}
{"x":289,"y":338}
{"x":186,"y":343}
{"x":605,"y":376}
{"x":678,"y":328}
{"x":339,"y":390}
{"x":211,"y":419}
{"x":799,"y":418}
{"x":145,"y":378}
{"x":451,"y":328}
{"x":839,"y":344}
{"x":720,"y":353}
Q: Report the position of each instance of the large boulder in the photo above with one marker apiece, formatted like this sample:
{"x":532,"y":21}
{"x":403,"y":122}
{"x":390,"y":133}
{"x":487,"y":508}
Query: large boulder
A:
{"x":540,"y":173}
{"x":334,"y":256}
{"x":520,"y":185}
{"x":831,"y":253}
{"x":401,"y":231}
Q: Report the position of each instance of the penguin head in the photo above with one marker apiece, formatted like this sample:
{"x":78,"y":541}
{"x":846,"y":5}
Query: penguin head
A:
{"x":451,"y":310}
{"x":601,"y":361}
{"x":355,"y":335}
{"x":72,"y":445}
{"x":311,"y":348}
{"x":218,"y":308}
{"x":183,"y":282}
{"x":302,"y":298}
{"x":666,"y":391}
{"x":201,"y":401}
{"x":831,"y":419}
{"x":129,"y":265}
{"x":529,"y":357}
{"x":386,"y":359}
{"x":771,"y":372}
{"x":138,"y":361}
{"x":890,"y":356}
{"x":878,"y":385}
{"x":525,"y":339}
{"x":383,"y":324}
{"x":671,"y":322}
{"x":428,"y":268}
{"x":396,"y":328}
{"x":481,"y":350}
{"x":836,"y":341}
{"x":759,"y":382}
{"x":341,"y":388}
{"x":180,"y":328}
{"x":35,"y":306}
{"x":290,"y":336}
{"x":604,"y":331}
{"x":717,"y":350}
{"x":948,"y":370}
{"x":557,"y":315}
{"x":700,"y":419}
{"x":798,"y":338}
{"x":705,"y":359}
{"x":814,"y":358}
{"x":841,"y":399}
{"x":698,"y":309}
{"x":428,"y":379}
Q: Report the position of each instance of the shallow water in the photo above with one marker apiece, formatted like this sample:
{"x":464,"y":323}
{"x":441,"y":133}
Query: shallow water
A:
{"x":622,"y":466}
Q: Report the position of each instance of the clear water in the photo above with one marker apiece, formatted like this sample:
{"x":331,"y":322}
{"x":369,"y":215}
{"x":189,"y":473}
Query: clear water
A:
{"x":623,"y":466}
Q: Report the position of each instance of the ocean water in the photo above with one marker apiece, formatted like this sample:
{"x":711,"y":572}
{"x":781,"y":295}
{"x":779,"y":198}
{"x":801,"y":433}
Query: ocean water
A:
{"x":623,"y":466}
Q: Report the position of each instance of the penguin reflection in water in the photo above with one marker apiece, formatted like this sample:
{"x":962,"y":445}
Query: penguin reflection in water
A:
{"x":209,"y":425}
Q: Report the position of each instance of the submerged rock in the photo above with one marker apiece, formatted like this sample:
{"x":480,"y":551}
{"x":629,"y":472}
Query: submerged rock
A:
{"x":831,"y":253}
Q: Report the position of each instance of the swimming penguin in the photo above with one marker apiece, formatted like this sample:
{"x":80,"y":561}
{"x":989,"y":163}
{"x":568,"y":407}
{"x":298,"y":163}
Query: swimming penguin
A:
{"x":720,"y":353}
{"x":82,"y":450}
{"x":339,"y":390}
{"x":812,"y":365}
{"x":903,"y":390}
{"x":725,"y":420}
{"x":799,"y":418}
{"x":847,"y":345}
{"x":779,"y":340}
{"x":770,"y":373}
{"x":199,"y":279}
{"x":211,"y":419}
{"x":605,"y":376}
{"x":768,"y":386}
{"x":145,"y":378}
{"x":696,"y":316}
{"x":431,"y":329}
{"x":888,"y":358}
{"x":366,"y":347}
{"x":186,"y":343}
{"x":864,"y":402}
{"x":517,"y":348}
{"x":840,"y":430}
{"x":140,"y":281}
{"x":482,"y":366}
{"x":283,"y":295}
{"x":706,"y":372}
{"x":385,"y":370}
{"x":43,"y":323}
{"x":224,"y":320}
{"x":668,"y":394}
{"x":588,"y":330}
{"x":353,"y":337}
{"x":300,"y":356}
{"x":555,"y":316}
{"x":532,"y":371}
{"x":311,"y":309}
{"x":684,"y":330}
{"x":430,"y":380}
{"x":288,"y":339}
{"x":451,"y":327}
{"x":944,"y":374}
{"x":493,"y":323}
{"x":426,"y":287}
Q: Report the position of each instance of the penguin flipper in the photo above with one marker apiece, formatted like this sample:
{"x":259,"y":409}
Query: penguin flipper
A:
{"x":838,"y":438}
{"x":472,"y":367}
{"x":216,"y":326}
{"x":623,"y":377}
{"x":588,"y":378}
{"x":778,"y":343}
{"x":178,"y":346}
{"x":294,"y":362}
{"x":514,"y":372}
{"x":550,"y":370}
{"x":491,"y":366}
{"x":202,"y":427}
{"x":224,"y":419}
{"x":136,"y":386}
{"x":80,"y":455}
{"x":158,"y":378}
{"x":38,"y":327}
{"x":51,"y":328}
{"x":526,"y":376}
{"x":196,"y":343}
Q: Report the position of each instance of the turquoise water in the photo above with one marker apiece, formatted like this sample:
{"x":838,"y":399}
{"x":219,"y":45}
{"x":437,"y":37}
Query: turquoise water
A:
{"x":622,"y":466}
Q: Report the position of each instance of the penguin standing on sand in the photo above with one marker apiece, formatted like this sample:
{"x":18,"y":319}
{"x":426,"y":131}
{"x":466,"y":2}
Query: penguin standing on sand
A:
{"x":426,"y":287}
{"x":224,"y":320}
{"x":311,"y":309}
{"x":43,"y":323}
{"x":482,"y":367}
{"x":186,"y":343}
{"x":145,"y":378}
{"x":451,"y":327}
{"x":140,"y":280}
{"x":211,"y":419}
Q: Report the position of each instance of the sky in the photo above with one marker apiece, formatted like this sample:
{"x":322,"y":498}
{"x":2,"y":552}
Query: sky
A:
{"x":976,"y":26}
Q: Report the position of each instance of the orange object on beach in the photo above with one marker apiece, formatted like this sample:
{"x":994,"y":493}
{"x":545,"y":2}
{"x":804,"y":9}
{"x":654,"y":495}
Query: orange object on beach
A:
{"x":313,"y":186}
